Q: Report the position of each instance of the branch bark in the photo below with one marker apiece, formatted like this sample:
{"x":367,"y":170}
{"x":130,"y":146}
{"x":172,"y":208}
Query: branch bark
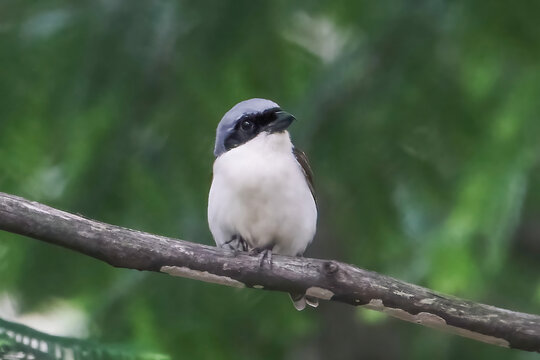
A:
{"x":324,"y":279}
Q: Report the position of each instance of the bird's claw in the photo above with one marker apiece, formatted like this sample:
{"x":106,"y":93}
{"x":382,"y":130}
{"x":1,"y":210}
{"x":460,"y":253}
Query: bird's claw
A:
{"x":262,"y":254}
{"x":236,"y":244}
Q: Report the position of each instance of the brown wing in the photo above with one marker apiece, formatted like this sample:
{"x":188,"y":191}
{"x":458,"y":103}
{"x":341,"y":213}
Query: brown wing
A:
{"x":308,"y":174}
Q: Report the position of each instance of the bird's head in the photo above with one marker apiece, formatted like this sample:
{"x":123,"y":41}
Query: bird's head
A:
{"x":246,"y":120}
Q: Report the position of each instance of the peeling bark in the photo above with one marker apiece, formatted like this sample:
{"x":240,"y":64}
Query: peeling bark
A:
{"x":324,"y":279}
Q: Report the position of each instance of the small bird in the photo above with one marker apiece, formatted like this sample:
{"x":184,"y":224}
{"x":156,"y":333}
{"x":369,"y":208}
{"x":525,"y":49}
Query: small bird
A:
{"x":261,"y":199}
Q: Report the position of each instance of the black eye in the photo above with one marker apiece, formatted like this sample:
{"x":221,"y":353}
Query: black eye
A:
{"x":247,"y":125}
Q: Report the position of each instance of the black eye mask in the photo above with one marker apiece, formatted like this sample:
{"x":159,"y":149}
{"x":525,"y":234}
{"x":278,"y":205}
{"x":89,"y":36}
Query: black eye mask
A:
{"x":248,"y":127}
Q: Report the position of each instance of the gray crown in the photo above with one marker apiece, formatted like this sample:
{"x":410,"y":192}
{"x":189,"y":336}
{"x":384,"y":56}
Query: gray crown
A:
{"x":231,"y":117}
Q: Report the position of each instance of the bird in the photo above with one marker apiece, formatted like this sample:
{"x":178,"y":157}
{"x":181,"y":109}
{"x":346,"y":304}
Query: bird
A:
{"x":261,"y":199}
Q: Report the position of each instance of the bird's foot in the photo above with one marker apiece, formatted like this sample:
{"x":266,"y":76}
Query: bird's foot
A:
{"x":236,"y":244}
{"x":262,"y":253}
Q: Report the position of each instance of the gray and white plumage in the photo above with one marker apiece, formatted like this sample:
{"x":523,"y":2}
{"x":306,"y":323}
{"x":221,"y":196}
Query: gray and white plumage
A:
{"x":261,"y":194}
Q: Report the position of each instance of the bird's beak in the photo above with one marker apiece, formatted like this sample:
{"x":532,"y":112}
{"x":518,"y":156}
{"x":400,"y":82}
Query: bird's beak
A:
{"x":282,"y":122}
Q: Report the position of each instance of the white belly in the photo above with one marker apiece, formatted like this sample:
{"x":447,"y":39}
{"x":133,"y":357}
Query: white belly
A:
{"x":259,"y":192}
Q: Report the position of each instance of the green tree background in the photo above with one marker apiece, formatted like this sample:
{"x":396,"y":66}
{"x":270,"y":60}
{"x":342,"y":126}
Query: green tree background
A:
{"x":421,"y":121}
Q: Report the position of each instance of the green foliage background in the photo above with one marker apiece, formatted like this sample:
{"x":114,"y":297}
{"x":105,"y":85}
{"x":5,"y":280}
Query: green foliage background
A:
{"x":421,"y":120}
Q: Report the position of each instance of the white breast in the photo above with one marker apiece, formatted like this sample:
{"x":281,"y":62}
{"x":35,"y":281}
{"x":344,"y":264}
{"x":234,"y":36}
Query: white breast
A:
{"x":259,"y":192}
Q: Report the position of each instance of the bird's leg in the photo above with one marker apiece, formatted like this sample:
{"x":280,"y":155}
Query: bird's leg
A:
{"x":263,"y":253}
{"x":243,"y":243}
{"x":230,"y":241}
{"x":236,"y":244}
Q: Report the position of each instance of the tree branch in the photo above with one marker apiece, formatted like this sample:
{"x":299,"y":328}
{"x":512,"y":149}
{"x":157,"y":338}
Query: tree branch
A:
{"x":324,"y":279}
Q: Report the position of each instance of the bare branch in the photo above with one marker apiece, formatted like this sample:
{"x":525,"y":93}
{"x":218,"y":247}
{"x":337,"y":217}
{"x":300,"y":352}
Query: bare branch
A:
{"x":325,"y":279}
